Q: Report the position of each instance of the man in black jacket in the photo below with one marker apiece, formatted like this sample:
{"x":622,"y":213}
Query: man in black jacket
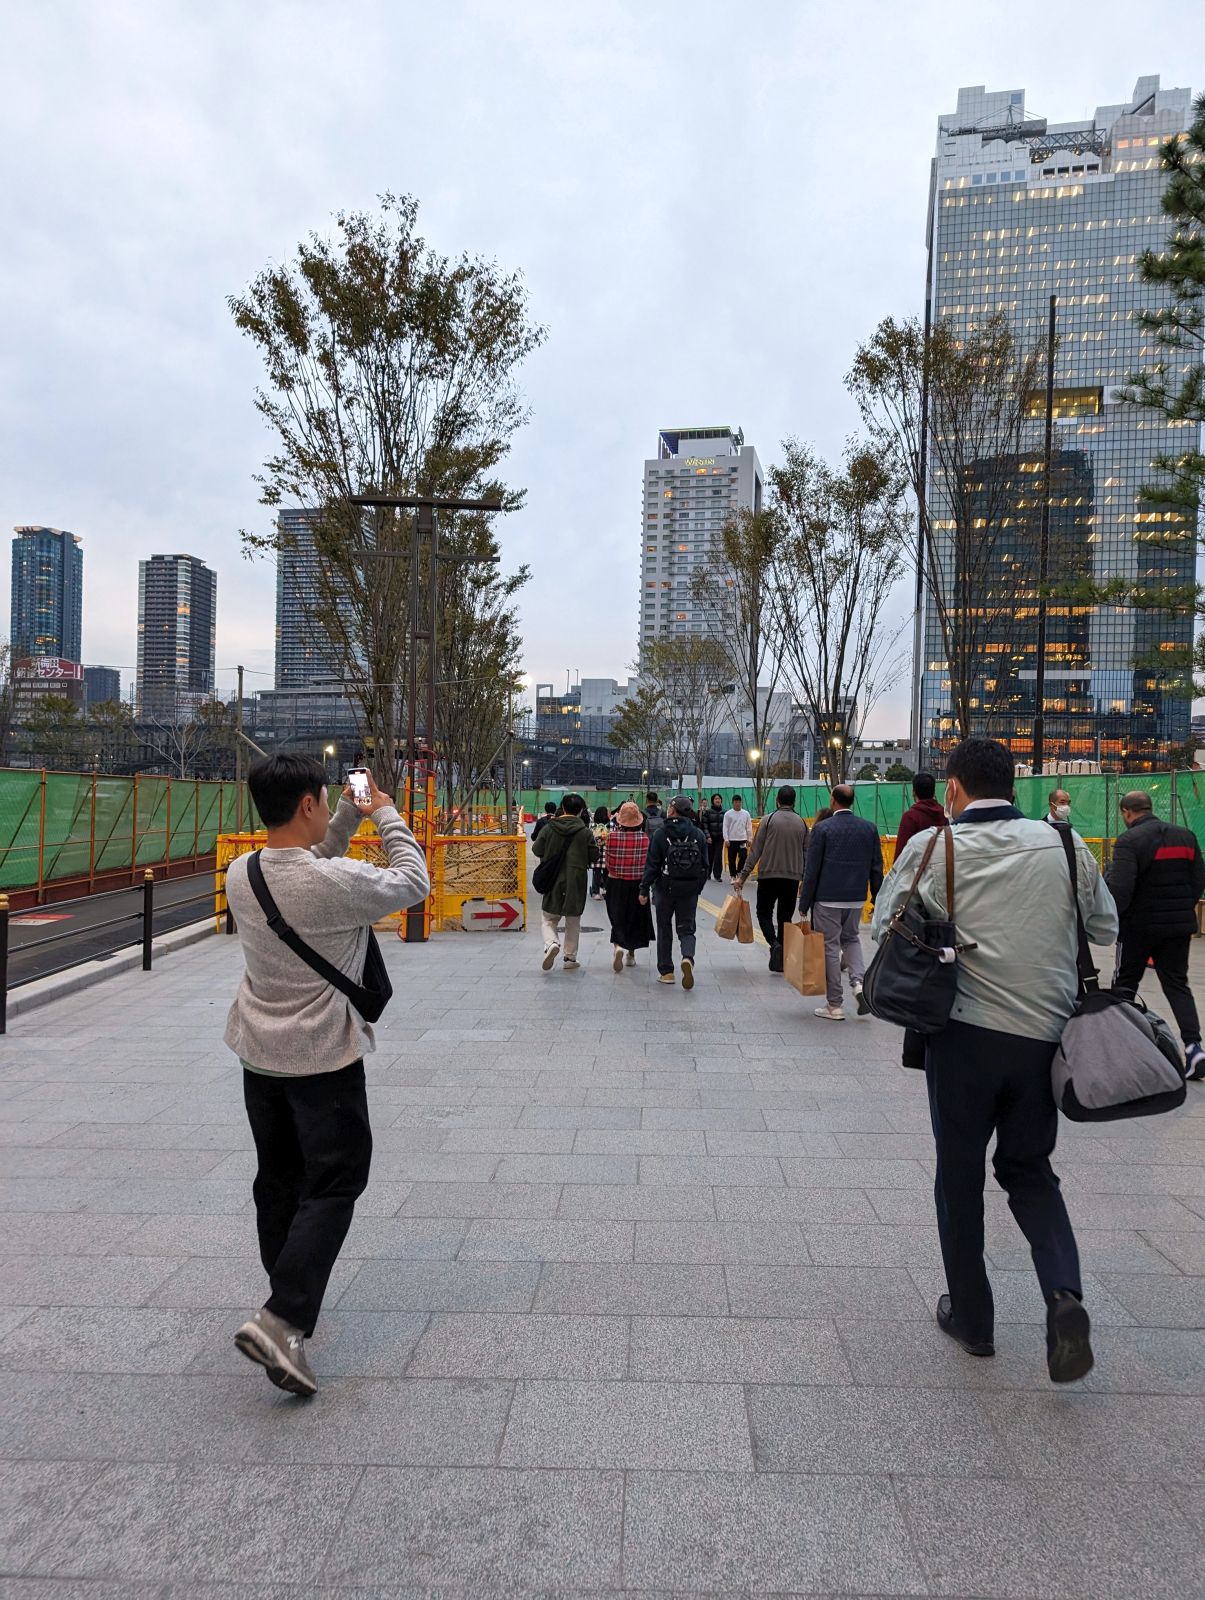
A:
{"x":675,"y":873}
{"x":712,"y":822}
{"x":1156,"y":878}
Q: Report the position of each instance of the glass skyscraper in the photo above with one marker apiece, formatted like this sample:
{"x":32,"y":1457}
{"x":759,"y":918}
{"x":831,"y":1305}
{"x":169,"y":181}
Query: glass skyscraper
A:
{"x":698,"y":480}
{"x":47,"y":594}
{"x":177,"y":627}
{"x":1021,"y":209}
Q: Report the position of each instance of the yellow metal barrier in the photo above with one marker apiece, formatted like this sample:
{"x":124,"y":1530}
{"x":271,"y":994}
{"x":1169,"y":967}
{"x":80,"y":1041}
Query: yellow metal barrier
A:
{"x":365,"y":846}
{"x":471,"y":868}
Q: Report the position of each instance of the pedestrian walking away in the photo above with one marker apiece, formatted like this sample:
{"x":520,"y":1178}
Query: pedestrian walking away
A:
{"x":569,"y":845}
{"x":844,"y":866}
{"x":542,"y":822}
{"x":738,"y":830}
{"x":924,"y":813}
{"x":598,"y":873}
{"x":674,"y":875}
{"x":627,"y":855}
{"x":712,"y":823}
{"x":988,"y":1070}
{"x":300,"y":1039}
{"x":654,"y":817}
{"x":1156,"y":878}
{"x":779,"y":852}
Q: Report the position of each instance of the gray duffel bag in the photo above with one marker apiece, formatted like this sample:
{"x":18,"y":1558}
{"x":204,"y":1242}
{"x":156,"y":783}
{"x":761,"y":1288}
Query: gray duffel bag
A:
{"x":1116,"y":1059}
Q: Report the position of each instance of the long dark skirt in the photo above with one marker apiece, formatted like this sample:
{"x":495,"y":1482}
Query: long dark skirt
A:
{"x":631,"y":923}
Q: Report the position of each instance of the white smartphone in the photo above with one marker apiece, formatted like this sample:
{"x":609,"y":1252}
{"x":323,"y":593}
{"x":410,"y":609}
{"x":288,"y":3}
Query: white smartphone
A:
{"x":358,"y":778}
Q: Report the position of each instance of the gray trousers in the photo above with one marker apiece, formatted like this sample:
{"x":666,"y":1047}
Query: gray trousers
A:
{"x":840,"y":927}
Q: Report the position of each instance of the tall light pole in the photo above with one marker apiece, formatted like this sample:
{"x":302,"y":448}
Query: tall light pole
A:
{"x":1039,"y":687}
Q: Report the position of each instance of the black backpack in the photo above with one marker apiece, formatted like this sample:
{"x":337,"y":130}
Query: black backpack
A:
{"x":684,"y":858}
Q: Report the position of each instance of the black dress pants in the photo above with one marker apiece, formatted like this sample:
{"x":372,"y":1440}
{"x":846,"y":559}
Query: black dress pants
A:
{"x":717,"y":856}
{"x":738,"y":849}
{"x":1171,"y":968}
{"x":983,"y":1082}
{"x":314,"y":1145}
{"x":775,"y":895}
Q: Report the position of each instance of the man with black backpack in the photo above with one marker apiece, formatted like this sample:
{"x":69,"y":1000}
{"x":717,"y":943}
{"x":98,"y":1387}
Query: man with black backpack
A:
{"x":300,"y":1038}
{"x":1156,"y":877}
{"x":675,"y":873}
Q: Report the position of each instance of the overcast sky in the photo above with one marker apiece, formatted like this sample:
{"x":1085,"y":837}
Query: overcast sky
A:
{"x":711,"y":205}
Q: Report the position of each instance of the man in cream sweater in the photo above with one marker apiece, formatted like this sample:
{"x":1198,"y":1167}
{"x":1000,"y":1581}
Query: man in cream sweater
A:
{"x":302,"y":1043}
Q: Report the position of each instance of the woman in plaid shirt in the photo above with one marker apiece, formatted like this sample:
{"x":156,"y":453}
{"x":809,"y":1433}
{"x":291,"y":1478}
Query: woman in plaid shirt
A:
{"x":627,"y":851}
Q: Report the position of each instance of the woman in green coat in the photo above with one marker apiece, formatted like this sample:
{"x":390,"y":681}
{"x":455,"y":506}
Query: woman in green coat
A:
{"x":567,"y":839}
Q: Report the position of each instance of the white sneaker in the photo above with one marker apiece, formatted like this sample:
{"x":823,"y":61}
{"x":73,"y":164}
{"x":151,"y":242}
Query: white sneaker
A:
{"x":617,"y":960}
{"x":571,"y":963}
{"x":1194,"y":1062}
{"x":830,"y":1013}
{"x":688,"y":973}
{"x":630,"y":959}
{"x":550,"y":955}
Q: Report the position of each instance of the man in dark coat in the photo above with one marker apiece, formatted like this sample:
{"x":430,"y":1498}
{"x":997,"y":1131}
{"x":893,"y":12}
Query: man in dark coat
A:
{"x":542,"y":822}
{"x":924,"y":813}
{"x":712,"y":823}
{"x":569,"y":840}
{"x":1156,"y":878}
{"x":674,"y":874}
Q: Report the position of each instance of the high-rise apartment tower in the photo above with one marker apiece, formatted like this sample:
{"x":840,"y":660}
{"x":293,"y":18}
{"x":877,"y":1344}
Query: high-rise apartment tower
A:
{"x":1021,"y":209}
{"x":699,"y":478}
{"x":177,"y":621}
{"x":47,"y":594}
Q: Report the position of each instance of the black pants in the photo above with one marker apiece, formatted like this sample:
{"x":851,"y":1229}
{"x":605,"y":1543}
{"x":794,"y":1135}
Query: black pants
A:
{"x":1171,"y":968}
{"x":675,"y":907}
{"x":717,"y":856}
{"x":314,"y":1146}
{"x":775,"y":895}
{"x":981,"y":1082}
{"x":737,"y":851}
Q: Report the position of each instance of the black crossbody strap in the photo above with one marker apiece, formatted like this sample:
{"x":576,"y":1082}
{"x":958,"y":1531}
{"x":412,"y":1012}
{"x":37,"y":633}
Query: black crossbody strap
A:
{"x":325,"y":969}
{"x":1085,"y":967}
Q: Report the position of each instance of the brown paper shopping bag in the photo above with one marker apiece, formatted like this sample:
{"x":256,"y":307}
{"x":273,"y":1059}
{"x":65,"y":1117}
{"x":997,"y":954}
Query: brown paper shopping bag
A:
{"x":728,"y":923}
{"x":744,"y":930}
{"x":803,"y":958}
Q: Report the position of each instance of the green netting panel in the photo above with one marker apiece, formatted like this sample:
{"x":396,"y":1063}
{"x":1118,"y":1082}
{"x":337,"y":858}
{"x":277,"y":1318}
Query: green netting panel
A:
{"x":152,"y":821}
{"x":114,"y":824}
{"x":184,"y":818}
{"x":67,"y":835}
{"x":20,"y":810}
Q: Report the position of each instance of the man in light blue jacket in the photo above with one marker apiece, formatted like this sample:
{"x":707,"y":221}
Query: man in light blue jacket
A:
{"x":988,"y":1071}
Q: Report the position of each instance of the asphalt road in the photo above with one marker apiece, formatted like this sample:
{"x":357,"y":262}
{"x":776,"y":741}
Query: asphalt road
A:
{"x":29,"y":959}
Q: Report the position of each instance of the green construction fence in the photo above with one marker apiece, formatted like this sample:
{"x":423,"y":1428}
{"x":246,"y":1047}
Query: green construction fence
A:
{"x":70,"y":825}
{"x":1178,"y":797}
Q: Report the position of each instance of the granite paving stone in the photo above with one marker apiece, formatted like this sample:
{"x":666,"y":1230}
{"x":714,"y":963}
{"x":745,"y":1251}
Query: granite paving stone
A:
{"x":767,"y":1533}
{"x":738,"y":1350}
{"x":638,"y":1303}
{"x":623,"y":1288}
{"x":519,"y":1530}
{"x":543,"y":1346}
{"x":703,"y":1427}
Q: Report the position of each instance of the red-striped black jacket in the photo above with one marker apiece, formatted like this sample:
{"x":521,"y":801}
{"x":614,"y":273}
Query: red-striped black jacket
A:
{"x":1156,"y":878}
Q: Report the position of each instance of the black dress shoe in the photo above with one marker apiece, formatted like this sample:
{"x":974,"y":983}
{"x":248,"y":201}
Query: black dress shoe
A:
{"x":945,"y":1321}
{"x":1068,"y":1345}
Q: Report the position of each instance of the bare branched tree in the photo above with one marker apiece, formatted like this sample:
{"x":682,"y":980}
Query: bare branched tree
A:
{"x":639,"y":727}
{"x":389,"y":369}
{"x":687,"y":672}
{"x":732,"y":586}
{"x":958,"y":414}
{"x":841,"y":551}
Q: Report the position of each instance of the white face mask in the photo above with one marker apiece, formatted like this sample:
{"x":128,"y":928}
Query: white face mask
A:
{"x":1061,"y":812}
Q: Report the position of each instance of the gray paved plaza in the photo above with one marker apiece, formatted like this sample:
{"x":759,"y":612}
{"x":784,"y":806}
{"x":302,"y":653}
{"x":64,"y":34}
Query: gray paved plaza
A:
{"x":639,"y":1302}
